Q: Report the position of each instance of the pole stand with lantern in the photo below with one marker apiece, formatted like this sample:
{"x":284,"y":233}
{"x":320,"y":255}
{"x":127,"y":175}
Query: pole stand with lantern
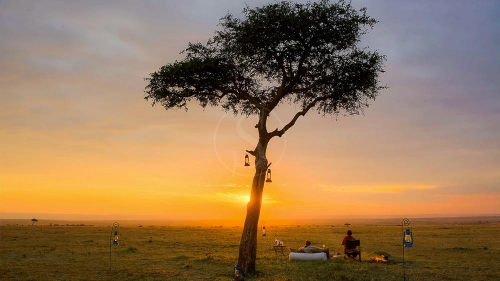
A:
{"x":113,"y":239}
{"x":407,"y":240}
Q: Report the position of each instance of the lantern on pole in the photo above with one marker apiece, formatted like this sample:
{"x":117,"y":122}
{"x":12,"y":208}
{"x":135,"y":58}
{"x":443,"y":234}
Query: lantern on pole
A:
{"x":268,"y":176}
{"x":408,"y":238}
{"x":115,"y":239}
{"x":247,"y":160}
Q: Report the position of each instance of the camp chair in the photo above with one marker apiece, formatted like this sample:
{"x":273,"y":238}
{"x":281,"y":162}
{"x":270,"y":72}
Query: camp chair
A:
{"x":353,"y":249}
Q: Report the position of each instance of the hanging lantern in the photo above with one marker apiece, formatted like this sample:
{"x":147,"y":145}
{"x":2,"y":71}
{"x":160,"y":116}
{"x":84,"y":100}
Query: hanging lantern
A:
{"x":407,"y":238}
{"x":115,"y":240}
{"x":247,"y":161}
{"x":268,"y":176}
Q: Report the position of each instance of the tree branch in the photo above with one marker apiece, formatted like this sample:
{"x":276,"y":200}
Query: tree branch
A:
{"x":281,"y":132}
{"x":242,"y":94}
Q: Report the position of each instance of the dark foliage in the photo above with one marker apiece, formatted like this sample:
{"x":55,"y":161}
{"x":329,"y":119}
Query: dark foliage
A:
{"x":304,"y":54}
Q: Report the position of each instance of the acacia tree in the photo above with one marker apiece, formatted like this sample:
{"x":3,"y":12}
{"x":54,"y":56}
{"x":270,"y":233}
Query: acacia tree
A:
{"x":305,"y":54}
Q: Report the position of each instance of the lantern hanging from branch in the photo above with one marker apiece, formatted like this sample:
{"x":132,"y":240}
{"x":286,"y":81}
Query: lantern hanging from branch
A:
{"x":268,"y":176}
{"x":247,"y":161}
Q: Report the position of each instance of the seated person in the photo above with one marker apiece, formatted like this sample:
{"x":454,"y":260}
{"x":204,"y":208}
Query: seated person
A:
{"x":352,"y":251}
{"x":308,"y":248}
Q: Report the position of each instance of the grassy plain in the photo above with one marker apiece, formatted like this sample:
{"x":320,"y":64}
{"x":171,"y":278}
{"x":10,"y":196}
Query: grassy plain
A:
{"x":446,"y":249}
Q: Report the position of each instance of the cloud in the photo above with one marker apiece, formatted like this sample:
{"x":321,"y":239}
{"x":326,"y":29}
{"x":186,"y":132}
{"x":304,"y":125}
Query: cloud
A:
{"x":375,"y":189}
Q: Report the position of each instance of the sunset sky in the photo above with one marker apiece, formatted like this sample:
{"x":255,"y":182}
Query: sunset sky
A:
{"x":77,"y":137}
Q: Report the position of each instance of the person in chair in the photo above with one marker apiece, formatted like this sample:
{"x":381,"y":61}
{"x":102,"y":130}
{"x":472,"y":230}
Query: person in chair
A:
{"x":351,"y":252}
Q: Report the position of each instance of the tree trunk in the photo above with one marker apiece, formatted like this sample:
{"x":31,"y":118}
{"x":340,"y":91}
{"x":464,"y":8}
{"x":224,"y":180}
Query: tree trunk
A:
{"x":248,"y":242}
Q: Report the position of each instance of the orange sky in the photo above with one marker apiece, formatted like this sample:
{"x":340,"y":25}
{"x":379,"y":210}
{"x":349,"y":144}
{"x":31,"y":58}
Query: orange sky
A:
{"x":78,"y":138}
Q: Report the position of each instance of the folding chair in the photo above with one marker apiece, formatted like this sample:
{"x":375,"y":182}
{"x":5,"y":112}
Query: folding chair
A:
{"x":353,"y":249}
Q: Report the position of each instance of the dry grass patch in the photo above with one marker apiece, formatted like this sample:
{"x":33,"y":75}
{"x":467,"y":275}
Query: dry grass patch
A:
{"x":442,"y":251}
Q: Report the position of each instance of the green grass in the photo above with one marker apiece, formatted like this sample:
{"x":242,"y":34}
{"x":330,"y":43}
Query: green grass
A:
{"x":443,"y":251}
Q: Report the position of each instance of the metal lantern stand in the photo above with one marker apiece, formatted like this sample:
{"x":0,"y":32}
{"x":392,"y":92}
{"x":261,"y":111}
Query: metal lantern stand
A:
{"x":407,"y":241}
{"x":113,"y":239}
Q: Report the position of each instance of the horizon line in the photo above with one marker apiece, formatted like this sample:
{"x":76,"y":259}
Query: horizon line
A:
{"x":96,"y":217}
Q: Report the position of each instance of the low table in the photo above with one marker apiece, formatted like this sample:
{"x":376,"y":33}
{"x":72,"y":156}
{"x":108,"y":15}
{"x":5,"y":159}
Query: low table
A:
{"x":280,"y":248}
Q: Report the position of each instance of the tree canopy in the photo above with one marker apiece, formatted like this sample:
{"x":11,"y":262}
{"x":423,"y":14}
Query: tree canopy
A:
{"x":284,"y":52}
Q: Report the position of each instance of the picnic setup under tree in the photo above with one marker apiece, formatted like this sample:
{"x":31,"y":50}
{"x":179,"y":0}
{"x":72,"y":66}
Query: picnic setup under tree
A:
{"x":280,"y":53}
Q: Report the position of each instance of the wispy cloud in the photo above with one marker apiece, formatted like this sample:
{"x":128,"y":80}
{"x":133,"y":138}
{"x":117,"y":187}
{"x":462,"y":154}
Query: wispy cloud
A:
{"x":375,"y":189}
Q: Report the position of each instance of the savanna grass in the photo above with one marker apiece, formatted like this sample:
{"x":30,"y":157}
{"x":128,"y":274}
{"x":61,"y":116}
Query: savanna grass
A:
{"x":448,"y":250}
